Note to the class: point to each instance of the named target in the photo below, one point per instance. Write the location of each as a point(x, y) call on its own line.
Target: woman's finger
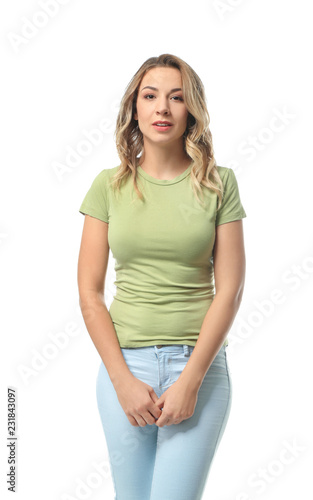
point(141, 421)
point(133, 421)
point(148, 418)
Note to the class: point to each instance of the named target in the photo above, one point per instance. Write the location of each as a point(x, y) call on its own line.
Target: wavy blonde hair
point(197, 136)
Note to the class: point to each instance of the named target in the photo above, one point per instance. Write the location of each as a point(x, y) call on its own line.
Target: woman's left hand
point(178, 403)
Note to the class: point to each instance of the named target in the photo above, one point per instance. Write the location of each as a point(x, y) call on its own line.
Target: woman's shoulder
point(226, 174)
point(222, 170)
point(105, 175)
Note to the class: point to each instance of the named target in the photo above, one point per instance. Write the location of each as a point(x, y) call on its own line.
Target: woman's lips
point(164, 127)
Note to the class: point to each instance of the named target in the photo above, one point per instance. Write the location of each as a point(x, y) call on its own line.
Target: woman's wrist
point(192, 381)
point(121, 377)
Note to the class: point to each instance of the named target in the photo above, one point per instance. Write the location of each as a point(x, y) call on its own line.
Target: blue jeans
point(170, 462)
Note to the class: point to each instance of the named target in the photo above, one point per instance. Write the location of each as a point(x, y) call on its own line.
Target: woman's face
point(163, 102)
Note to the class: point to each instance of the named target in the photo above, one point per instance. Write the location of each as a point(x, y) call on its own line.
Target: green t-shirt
point(162, 248)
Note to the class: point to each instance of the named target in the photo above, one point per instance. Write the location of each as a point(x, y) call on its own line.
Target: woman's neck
point(161, 161)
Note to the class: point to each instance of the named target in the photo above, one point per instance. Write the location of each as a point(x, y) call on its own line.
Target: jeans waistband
point(187, 349)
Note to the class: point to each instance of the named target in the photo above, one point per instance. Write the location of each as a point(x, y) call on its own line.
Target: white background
point(59, 82)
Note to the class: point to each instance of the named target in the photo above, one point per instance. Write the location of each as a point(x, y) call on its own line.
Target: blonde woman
point(172, 219)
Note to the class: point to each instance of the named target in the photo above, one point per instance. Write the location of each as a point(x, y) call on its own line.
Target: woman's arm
point(91, 272)
point(229, 273)
point(136, 398)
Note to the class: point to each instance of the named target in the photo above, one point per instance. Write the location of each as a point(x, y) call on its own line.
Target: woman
point(172, 219)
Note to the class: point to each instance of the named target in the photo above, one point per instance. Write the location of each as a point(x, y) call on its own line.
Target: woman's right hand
point(138, 401)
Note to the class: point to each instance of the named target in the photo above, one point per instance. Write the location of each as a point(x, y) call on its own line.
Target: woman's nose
point(162, 106)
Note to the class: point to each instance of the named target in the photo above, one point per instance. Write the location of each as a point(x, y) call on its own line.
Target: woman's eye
point(175, 97)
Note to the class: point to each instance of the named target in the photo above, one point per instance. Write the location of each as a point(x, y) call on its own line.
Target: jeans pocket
point(176, 362)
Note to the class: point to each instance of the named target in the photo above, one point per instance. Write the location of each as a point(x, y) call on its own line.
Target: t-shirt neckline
point(164, 182)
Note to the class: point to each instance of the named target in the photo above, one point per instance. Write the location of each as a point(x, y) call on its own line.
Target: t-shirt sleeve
point(231, 208)
point(95, 202)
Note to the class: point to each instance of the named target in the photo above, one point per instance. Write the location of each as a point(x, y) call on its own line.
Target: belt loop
point(186, 350)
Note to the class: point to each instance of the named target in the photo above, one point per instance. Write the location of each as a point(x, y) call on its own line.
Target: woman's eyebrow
point(154, 88)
